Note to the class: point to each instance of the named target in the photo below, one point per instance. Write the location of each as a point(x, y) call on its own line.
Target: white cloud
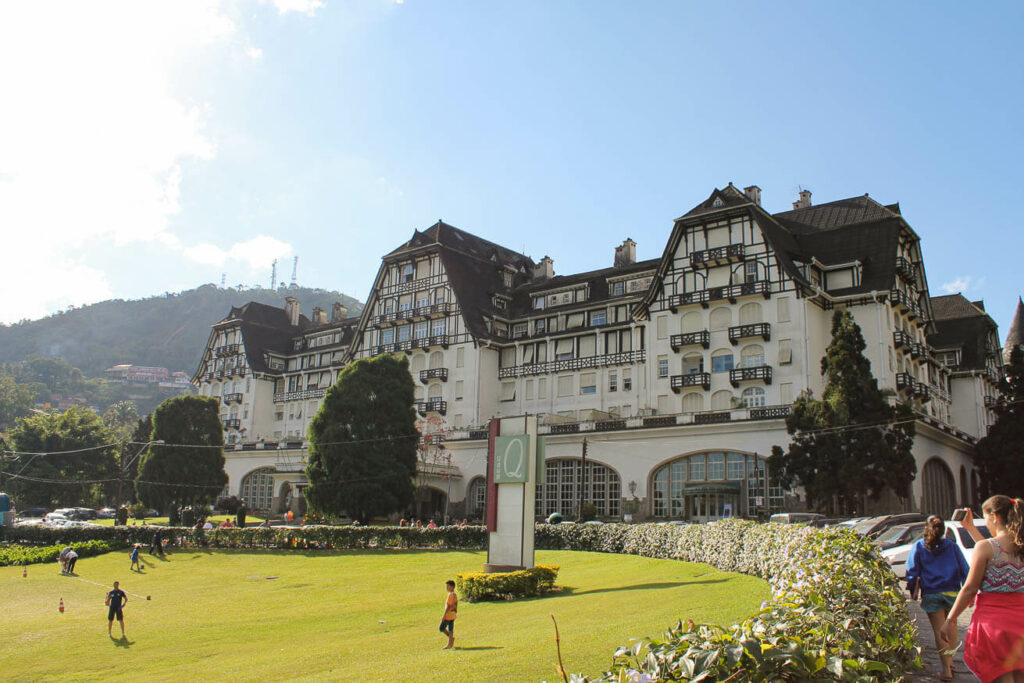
point(307, 7)
point(256, 253)
point(254, 53)
point(961, 284)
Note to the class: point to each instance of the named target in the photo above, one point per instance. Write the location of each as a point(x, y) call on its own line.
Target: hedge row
point(21, 554)
point(525, 583)
point(836, 611)
point(300, 538)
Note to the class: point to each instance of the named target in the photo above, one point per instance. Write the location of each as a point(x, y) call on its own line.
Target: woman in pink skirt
point(994, 649)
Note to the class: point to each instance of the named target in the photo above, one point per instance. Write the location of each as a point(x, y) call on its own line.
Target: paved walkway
point(930, 657)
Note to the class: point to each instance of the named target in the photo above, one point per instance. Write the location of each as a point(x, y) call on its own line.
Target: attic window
point(499, 303)
point(507, 277)
point(717, 203)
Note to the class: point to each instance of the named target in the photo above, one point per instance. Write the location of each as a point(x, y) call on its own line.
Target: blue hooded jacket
point(938, 571)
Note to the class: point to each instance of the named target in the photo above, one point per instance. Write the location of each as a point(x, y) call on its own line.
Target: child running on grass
point(136, 563)
point(451, 608)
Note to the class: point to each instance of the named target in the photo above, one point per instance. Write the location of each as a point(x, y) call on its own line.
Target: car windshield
point(895, 534)
point(966, 539)
point(867, 525)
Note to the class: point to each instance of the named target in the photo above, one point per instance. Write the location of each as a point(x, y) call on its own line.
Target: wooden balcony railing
point(422, 284)
point(232, 398)
point(906, 270)
point(434, 373)
point(232, 423)
point(568, 364)
point(763, 330)
point(907, 385)
point(302, 395)
point(900, 299)
point(434, 405)
point(696, 379)
point(702, 338)
point(757, 373)
point(226, 350)
point(727, 254)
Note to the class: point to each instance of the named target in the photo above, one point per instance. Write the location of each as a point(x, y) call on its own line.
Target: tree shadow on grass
point(569, 590)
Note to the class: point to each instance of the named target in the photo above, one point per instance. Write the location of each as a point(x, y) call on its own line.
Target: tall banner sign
point(514, 460)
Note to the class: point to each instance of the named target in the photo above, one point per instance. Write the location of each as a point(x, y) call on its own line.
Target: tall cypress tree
point(1000, 454)
point(188, 469)
point(362, 442)
point(851, 443)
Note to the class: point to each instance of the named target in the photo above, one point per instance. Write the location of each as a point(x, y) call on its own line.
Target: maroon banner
point(493, 430)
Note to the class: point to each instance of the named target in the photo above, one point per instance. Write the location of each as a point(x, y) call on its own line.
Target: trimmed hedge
point(21, 555)
point(836, 612)
point(299, 538)
point(524, 583)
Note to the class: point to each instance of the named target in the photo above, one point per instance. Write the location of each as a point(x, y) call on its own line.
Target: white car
point(55, 519)
point(897, 556)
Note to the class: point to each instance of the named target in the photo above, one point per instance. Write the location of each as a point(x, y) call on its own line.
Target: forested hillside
point(167, 331)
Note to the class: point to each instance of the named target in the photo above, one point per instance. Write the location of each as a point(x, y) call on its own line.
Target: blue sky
point(153, 148)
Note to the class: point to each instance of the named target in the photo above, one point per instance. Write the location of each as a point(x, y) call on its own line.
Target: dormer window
point(507, 278)
point(499, 303)
point(408, 273)
point(618, 288)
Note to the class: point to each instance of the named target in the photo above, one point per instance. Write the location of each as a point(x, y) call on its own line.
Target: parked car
point(795, 517)
point(872, 527)
point(83, 513)
point(897, 555)
point(55, 519)
point(825, 521)
point(32, 512)
point(899, 535)
point(106, 513)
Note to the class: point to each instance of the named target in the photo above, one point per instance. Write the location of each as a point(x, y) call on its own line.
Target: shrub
point(524, 583)
point(229, 504)
point(21, 555)
point(836, 610)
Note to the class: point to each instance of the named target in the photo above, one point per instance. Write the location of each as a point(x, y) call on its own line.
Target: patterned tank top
point(1005, 572)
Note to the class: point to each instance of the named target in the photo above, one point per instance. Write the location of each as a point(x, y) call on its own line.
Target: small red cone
point(61, 607)
point(24, 573)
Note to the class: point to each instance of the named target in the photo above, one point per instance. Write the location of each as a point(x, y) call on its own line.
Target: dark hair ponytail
point(934, 530)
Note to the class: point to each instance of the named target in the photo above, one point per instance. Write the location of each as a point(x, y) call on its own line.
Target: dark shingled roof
point(728, 197)
point(264, 328)
point(838, 214)
point(1015, 336)
point(596, 280)
point(963, 325)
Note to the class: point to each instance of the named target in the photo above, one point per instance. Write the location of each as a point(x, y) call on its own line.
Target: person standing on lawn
point(451, 609)
point(136, 563)
point(116, 600)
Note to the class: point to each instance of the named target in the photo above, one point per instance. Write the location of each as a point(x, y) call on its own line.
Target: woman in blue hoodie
point(936, 569)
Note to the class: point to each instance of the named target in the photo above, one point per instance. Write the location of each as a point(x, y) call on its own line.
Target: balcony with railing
point(902, 340)
point(418, 285)
point(237, 371)
point(910, 387)
point(226, 350)
point(434, 405)
point(899, 299)
point(301, 395)
point(232, 398)
point(434, 373)
point(695, 379)
point(732, 293)
point(702, 338)
point(677, 301)
point(906, 270)
point(738, 332)
point(569, 364)
point(755, 373)
point(232, 423)
point(731, 253)
point(991, 401)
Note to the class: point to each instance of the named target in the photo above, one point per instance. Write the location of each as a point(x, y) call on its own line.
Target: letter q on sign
point(511, 459)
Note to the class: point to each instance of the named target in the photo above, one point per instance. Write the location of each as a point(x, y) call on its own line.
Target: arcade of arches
point(706, 486)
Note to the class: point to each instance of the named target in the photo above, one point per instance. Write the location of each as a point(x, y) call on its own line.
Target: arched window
point(419, 362)
point(721, 360)
point(693, 402)
point(721, 318)
point(752, 355)
point(750, 313)
point(560, 491)
point(753, 397)
point(434, 391)
point(705, 486)
point(476, 497)
point(691, 322)
point(938, 492)
point(693, 363)
point(436, 360)
point(721, 400)
point(257, 489)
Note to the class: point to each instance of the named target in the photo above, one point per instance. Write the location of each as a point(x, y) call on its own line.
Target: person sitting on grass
point(451, 609)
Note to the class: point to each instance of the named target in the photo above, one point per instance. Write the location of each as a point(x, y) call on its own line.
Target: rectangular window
point(750, 271)
point(573, 320)
point(457, 421)
point(613, 381)
point(662, 366)
point(716, 466)
point(627, 380)
point(439, 296)
point(507, 359)
point(405, 304)
point(460, 357)
point(735, 467)
point(664, 405)
point(696, 468)
point(529, 390)
point(389, 306)
point(422, 300)
point(508, 391)
point(598, 318)
point(618, 288)
point(783, 306)
point(785, 352)
point(611, 342)
point(539, 326)
point(460, 387)
point(588, 346)
point(439, 327)
point(542, 387)
point(721, 363)
point(786, 393)
point(563, 349)
point(420, 330)
point(387, 336)
point(538, 303)
point(662, 323)
point(565, 385)
point(407, 273)
point(588, 383)
point(519, 330)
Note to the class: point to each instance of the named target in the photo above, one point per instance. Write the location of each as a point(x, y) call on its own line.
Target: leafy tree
point(121, 417)
point(362, 452)
point(999, 455)
point(16, 401)
point(852, 442)
point(73, 471)
point(188, 469)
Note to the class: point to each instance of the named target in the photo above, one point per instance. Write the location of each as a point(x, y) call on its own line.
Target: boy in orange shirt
point(451, 608)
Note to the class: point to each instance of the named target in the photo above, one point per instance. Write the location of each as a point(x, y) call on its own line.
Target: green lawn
point(370, 615)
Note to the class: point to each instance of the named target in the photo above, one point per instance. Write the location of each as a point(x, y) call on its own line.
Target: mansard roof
point(264, 328)
point(727, 197)
point(842, 213)
point(962, 324)
point(595, 280)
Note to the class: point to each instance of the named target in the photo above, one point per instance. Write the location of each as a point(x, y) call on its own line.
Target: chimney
point(545, 270)
point(291, 309)
point(319, 316)
point(753, 194)
point(626, 254)
point(339, 312)
point(804, 201)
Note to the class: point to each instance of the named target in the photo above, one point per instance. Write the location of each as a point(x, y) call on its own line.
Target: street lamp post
point(126, 465)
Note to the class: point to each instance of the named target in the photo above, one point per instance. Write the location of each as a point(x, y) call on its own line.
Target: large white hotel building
point(673, 376)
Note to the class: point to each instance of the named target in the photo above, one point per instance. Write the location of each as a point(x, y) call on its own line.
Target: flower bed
point(836, 611)
point(524, 583)
point(21, 554)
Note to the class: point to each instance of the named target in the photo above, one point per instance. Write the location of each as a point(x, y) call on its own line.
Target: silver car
point(955, 531)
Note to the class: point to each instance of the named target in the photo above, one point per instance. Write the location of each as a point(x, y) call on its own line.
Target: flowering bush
point(836, 610)
point(525, 583)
